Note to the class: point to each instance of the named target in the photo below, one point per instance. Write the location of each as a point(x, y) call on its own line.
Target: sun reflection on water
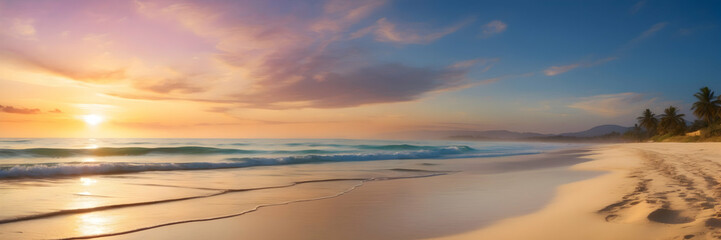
point(85, 181)
point(94, 223)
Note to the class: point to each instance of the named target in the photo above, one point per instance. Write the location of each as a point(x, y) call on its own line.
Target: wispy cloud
point(61, 68)
point(340, 14)
point(22, 28)
point(641, 37)
point(492, 28)
point(385, 31)
point(691, 30)
point(636, 7)
point(613, 105)
point(556, 70)
point(650, 32)
point(19, 110)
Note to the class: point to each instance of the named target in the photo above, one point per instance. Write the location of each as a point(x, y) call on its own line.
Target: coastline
point(629, 191)
point(487, 190)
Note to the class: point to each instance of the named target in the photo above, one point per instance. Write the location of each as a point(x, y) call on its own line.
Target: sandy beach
point(653, 191)
point(619, 191)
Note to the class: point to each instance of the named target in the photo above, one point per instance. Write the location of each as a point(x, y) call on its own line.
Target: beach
point(484, 192)
point(634, 191)
point(651, 191)
point(569, 191)
point(127, 188)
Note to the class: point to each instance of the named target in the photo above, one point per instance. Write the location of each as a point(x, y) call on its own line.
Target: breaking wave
point(45, 170)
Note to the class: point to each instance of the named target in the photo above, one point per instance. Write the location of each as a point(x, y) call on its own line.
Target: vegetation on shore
point(670, 126)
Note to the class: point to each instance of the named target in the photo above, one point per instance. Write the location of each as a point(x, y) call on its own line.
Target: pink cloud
point(385, 31)
point(247, 54)
point(555, 70)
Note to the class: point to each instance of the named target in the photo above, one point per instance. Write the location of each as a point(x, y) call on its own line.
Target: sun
point(93, 119)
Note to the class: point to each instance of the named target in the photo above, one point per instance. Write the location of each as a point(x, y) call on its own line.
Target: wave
point(419, 154)
point(46, 170)
point(409, 147)
point(197, 150)
point(139, 151)
point(389, 147)
point(15, 141)
point(115, 151)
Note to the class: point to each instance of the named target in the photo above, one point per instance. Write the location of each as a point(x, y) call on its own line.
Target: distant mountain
point(493, 134)
point(505, 135)
point(598, 131)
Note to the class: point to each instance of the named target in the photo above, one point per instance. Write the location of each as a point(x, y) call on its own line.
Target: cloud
point(23, 28)
point(168, 86)
point(11, 109)
point(32, 57)
point(340, 14)
point(381, 83)
point(385, 31)
point(636, 7)
point(651, 31)
point(692, 30)
point(556, 70)
point(613, 105)
point(76, 73)
point(492, 28)
point(247, 54)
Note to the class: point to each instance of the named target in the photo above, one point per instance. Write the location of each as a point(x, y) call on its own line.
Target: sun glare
point(93, 119)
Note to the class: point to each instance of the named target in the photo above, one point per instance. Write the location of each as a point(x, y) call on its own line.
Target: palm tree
point(672, 122)
point(648, 121)
point(706, 108)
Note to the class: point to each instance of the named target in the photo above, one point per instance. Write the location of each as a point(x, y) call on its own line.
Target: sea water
point(68, 188)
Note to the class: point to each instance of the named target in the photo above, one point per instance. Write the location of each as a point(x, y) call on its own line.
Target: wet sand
point(484, 191)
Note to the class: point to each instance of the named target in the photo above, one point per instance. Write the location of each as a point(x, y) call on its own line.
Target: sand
point(486, 190)
point(653, 191)
point(619, 191)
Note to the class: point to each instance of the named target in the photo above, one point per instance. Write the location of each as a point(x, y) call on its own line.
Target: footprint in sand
point(668, 216)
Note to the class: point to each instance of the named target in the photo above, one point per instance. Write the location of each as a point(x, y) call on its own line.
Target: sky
point(347, 69)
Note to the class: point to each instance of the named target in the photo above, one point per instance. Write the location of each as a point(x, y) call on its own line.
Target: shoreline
point(406, 208)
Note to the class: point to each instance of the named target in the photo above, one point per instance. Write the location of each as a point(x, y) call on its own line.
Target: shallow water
point(64, 188)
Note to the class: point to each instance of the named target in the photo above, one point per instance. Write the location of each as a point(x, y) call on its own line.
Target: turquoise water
point(62, 188)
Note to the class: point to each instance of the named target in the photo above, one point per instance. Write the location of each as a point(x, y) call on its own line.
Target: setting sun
point(93, 119)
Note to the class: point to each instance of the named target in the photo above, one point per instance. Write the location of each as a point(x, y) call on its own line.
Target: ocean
point(78, 188)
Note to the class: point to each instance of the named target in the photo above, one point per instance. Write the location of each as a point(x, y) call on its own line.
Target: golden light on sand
point(93, 119)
